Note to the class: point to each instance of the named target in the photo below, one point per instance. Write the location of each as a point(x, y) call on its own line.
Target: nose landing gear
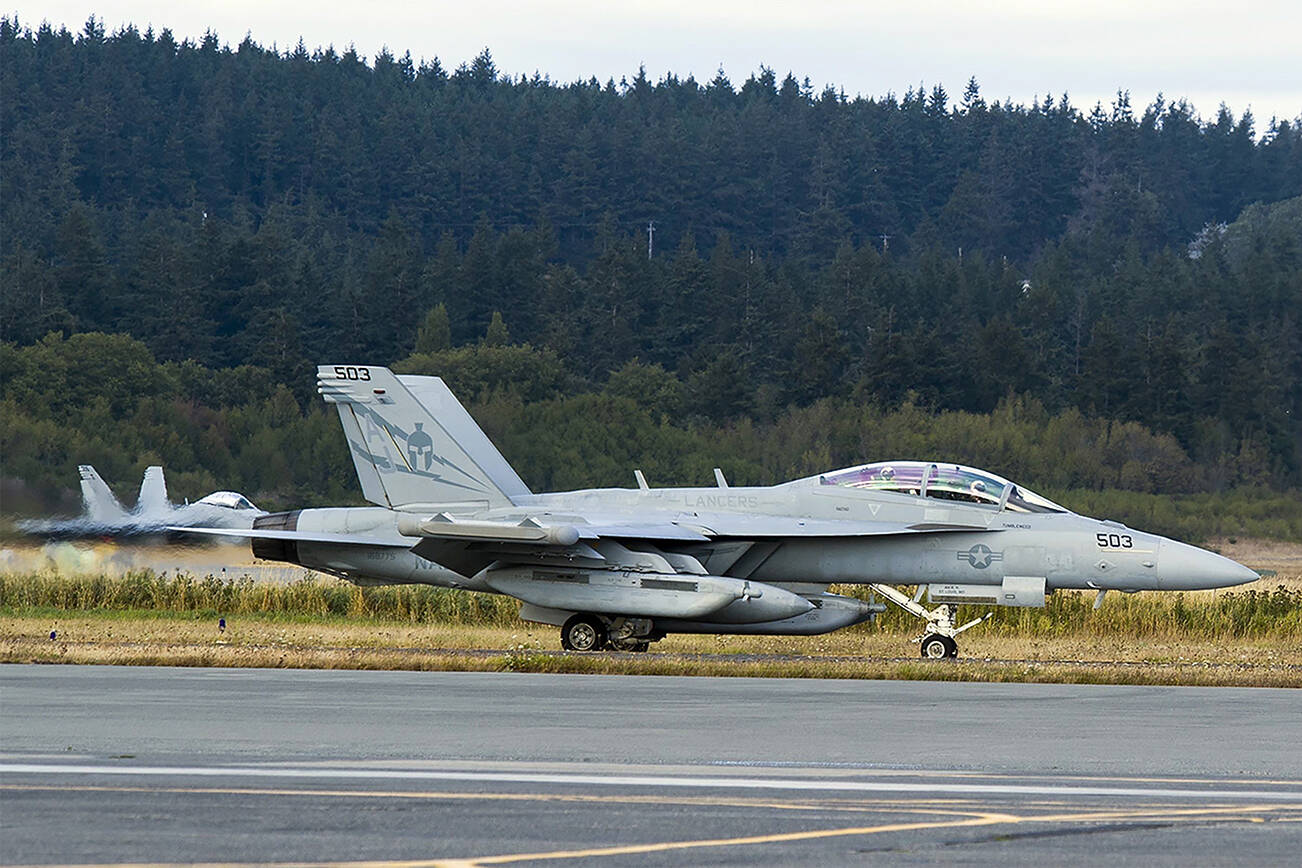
point(938, 643)
point(937, 647)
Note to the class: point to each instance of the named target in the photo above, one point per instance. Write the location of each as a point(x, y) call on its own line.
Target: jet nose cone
point(1188, 568)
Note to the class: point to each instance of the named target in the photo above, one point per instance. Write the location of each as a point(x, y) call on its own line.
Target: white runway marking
point(932, 787)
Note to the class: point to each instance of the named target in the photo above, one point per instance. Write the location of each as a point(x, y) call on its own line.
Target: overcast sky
point(1244, 53)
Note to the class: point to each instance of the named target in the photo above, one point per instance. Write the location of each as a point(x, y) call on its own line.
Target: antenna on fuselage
point(718, 478)
point(641, 480)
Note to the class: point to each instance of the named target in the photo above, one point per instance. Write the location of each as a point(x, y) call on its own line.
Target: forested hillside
point(821, 265)
point(103, 399)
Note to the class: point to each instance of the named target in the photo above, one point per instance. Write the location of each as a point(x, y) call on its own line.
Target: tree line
point(104, 400)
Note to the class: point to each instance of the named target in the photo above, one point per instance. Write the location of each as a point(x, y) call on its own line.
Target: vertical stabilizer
point(97, 497)
point(415, 447)
point(153, 493)
point(435, 396)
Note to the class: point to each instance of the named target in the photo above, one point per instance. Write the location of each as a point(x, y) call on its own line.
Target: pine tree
point(496, 335)
point(435, 333)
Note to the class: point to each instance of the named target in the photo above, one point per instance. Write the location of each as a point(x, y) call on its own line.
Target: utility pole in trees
point(650, 238)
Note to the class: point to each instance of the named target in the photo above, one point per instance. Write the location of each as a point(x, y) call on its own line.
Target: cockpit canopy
point(227, 500)
point(944, 481)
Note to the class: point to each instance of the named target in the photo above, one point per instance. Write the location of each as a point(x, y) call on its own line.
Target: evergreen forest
point(671, 274)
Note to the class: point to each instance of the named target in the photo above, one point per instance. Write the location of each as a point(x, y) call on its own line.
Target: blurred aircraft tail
point(153, 492)
point(101, 505)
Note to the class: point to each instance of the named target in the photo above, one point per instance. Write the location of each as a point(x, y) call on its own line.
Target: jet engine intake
point(285, 550)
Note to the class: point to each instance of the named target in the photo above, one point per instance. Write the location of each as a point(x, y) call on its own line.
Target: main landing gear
point(938, 642)
point(583, 633)
point(588, 632)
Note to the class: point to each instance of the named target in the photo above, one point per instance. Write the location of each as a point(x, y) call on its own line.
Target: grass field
point(1245, 637)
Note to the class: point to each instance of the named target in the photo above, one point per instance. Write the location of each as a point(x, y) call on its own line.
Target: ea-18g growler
point(621, 568)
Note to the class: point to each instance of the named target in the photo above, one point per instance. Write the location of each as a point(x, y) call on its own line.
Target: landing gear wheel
point(938, 647)
point(583, 633)
point(938, 642)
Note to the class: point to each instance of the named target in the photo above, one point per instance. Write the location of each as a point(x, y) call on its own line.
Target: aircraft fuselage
point(1067, 550)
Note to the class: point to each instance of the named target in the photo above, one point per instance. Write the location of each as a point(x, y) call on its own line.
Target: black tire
point(583, 633)
point(938, 647)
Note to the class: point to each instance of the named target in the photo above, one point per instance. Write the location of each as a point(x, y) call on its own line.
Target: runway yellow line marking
point(1239, 813)
point(1156, 813)
point(618, 850)
point(783, 837)
point(979, 820)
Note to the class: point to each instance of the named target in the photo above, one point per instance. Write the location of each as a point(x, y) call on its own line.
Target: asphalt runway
point(102, 765)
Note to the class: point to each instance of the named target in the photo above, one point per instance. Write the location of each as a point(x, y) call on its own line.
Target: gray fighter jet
point(621, 568)
point(104, 514)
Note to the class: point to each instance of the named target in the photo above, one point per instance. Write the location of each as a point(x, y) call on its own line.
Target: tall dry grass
point(145, 590)
point(1248, 614)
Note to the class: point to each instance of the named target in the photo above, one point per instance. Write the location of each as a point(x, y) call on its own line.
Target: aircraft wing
point(467, 546)
point(695, 529)
point(551, 531)
point(132, 526)
point(73, 528)
point(771, 526)
point(663, 531)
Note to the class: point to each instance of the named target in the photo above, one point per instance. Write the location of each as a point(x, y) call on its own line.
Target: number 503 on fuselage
point(620, 568)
